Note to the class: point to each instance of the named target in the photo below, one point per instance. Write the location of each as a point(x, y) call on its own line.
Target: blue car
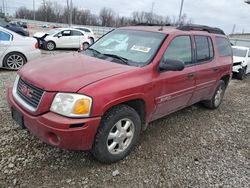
point(14, 28)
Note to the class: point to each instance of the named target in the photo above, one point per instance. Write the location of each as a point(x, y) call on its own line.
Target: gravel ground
point(194, 147)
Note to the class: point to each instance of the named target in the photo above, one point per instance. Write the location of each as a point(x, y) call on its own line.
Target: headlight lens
point(71, 105)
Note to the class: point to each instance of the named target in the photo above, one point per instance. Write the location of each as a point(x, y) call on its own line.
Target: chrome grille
point(29, 93)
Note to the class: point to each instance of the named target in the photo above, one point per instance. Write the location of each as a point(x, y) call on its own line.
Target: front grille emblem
point(26, 91)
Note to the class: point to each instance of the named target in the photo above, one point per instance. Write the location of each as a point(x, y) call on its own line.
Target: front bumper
point(56, 130)
point(236, 68)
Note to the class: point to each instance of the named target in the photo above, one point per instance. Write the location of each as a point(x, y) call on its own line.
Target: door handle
point(190, 75)
point(215, 69)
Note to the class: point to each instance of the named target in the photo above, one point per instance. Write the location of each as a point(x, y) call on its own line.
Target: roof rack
point(201, 28)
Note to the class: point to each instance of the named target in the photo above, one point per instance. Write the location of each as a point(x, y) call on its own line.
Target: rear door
point(77, 38)
point(175, 87)
point(206, 68)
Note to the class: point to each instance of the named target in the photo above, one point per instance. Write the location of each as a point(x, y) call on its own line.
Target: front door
point(175, 87)
point(64, 40)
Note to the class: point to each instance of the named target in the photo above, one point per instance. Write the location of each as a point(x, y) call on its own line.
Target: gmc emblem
point(26, 91)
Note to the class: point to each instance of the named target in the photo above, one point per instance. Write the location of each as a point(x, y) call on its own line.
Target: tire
point(50, 45)
point(92, 40)
point(241, 75)
point(113, 140)
point(85, 45)
point(217, 96)
point(14, 60)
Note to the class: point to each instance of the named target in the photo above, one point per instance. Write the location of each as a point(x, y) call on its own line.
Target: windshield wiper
point(96, 51)
point(124, 60)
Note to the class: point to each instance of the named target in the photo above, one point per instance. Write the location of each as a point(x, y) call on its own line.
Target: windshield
point(53, 31)
point(239, 52)
point(3, 23)
point(136, 47)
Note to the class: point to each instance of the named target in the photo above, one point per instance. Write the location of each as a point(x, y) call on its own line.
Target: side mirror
point(171, 65)
point(59, 35)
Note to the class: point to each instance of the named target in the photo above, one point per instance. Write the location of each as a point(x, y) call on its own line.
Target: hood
point(39, 34)
point(69, 72)
point(238, 59)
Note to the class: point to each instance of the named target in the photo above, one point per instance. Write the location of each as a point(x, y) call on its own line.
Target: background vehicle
point(63, 38)
point(240, 42)
point(89, 32)
point(19, 24)
point(16, 50)
point(241, 61)
point(101, 99)
point(14, 28)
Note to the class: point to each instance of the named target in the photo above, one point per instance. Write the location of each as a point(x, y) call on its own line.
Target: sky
point(217, 13)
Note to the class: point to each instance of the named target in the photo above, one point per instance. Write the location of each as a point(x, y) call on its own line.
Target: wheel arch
point(138, 104)
point(226, 79)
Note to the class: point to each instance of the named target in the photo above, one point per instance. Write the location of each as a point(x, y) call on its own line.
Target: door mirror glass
point(171, 65)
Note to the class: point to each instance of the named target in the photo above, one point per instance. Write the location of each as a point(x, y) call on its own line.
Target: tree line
point(52, 11)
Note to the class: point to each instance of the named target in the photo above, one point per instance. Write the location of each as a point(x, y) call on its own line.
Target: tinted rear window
point(204, 48)
point(224, 46)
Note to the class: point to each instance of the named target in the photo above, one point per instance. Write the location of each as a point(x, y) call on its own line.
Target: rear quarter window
point(4, 36)
point(224, 46)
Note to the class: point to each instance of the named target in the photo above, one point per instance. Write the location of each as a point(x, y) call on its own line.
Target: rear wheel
point(117, 135)
point(241, 75)
point(91, 40)
point(14, 60)
point(85, 45)
point(217, 97)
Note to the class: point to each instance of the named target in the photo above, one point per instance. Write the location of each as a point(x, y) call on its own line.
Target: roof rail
point(201, 28)
point(152, 24)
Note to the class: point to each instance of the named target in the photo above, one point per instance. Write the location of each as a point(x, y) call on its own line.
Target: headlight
point(71, 105)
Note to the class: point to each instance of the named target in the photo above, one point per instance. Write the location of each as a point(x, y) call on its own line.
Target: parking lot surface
point(195, 147)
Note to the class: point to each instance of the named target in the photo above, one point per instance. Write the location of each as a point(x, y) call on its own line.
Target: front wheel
point(117, 135)
point(50, 46)
point(241, 75)
point(217, 97)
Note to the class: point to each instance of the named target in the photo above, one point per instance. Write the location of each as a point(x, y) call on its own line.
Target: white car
point(63, 38)
point(16, 50)
point(241, 61)
point(89, 32)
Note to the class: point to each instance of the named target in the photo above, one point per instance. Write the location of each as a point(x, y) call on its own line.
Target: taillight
point(36, 45)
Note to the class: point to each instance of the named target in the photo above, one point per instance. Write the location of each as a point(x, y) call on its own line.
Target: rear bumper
point(56, 130)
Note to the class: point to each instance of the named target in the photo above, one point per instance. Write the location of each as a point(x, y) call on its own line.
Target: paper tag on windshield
point(141, 49)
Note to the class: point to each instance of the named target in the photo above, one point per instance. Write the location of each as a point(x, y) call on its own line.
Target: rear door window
point(224, 46)
point(204, 48)
point(76, 33)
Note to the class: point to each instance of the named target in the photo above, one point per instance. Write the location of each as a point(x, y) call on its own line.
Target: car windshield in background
point(136, 47)
point(239, 52)
point(53, 31)
point(3, 23)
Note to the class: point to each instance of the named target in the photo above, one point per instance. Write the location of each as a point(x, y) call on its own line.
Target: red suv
point(101, 99)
